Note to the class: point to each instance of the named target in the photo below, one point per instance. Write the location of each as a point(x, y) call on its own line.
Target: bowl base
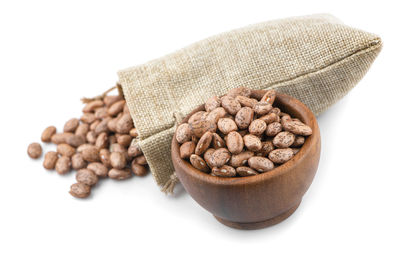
point(261, 224)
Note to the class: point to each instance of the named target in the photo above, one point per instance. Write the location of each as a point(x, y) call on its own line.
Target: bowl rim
point(305, 115)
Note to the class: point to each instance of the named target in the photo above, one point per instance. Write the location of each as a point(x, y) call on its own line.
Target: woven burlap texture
point(316, 59)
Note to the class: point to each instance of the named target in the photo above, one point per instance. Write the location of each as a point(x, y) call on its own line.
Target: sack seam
point(368, 49)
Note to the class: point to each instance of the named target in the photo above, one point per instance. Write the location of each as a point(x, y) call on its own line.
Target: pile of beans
point(238, 135)
point(102, 143)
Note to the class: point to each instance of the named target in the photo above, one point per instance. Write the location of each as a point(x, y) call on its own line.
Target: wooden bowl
point(257, 201)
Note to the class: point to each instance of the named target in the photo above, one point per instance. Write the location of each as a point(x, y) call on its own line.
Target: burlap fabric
point(316, 59)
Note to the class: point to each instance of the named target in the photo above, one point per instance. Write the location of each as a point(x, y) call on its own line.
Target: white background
point(53, 53)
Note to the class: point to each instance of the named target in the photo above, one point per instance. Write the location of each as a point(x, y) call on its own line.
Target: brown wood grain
point(262, 200)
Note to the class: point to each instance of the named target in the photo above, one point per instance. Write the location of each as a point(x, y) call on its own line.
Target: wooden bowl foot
point(260, 224)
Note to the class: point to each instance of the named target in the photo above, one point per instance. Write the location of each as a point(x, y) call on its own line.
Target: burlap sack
point(316, 59)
